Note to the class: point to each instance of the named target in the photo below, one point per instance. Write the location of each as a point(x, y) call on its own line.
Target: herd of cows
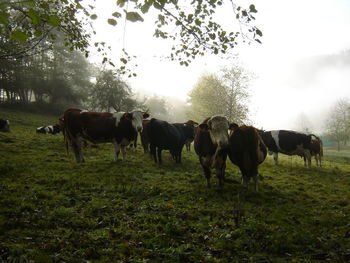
point(214, 140)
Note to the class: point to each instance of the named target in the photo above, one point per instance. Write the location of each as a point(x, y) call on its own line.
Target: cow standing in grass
point(246, 150)
point(287, 142)
point(210, 144)
point(316, 149)
point(98, 127)
point(166, 136)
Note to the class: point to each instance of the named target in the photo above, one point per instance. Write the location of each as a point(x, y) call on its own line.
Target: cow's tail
point(67, 136)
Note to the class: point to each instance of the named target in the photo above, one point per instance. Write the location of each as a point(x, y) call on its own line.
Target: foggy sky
point(302, 67)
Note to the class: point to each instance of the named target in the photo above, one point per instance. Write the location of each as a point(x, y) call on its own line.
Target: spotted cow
point(120, 128)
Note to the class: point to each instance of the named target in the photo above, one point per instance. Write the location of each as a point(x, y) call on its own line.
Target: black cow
point(287, 142)
point(51, 129)
point(4, 125)
point(165, 136)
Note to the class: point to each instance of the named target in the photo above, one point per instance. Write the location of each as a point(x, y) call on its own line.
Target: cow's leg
point(220, 170)
point(123, 148)
point(206, 164)
point(76, 145)
point(256, 182)
point(275, 157)
point(307, 155)
point(116, 151)
point(319, 158)
point(153, 152)
point(159, 155)
point(305, 160)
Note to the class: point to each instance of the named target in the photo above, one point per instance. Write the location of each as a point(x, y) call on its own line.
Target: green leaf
point(257, 40)
point(123, 60)
point(198, 22)
point(93, 16)
point(19, 36)
point(252, 9)
point(4, 18)
point(258, 32)
point(54, 20)
point(34, 16)
point(116, 14)
point(38, 33)
point(112, 21)
point(133, 17)
point(145, 7)
point(121, 3)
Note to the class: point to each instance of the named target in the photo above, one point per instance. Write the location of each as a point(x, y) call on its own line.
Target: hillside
point(55, 210)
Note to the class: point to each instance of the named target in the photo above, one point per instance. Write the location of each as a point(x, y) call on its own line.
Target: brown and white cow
point(246, 150)
point(98, 127)
point(210, 144)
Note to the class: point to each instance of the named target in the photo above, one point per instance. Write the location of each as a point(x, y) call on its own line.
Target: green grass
point(55, 210)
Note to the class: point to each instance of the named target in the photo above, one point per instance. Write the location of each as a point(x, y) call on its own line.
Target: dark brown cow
point(98, 127)
point(210, 142)
point(316, 149)
point(246, 150)
point(189, 141)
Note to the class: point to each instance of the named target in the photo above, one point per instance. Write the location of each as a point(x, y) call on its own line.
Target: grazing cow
point(316, 149)
point(51, 129)
point(287, 142)
point(165, 136)
point(98, 127)
point(144, 136)
point(4, 125)
point(246, 150)
point(210, 144)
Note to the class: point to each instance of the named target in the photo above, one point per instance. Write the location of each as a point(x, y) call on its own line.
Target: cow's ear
point(128, 116)
point(232, 126)
point(145, 115)
point(203, 126)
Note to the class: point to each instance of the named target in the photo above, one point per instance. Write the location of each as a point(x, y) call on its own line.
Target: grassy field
point(55, 210)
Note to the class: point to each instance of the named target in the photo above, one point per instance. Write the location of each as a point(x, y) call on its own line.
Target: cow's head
point(4, 126)
point(217, 126)
point(136, 118)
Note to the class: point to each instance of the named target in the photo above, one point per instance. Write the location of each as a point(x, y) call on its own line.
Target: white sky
point(294, 33)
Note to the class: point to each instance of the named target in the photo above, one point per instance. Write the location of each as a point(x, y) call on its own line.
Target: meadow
point(53, 209)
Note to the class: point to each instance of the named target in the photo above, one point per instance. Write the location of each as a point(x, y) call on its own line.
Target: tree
point(304, 124)
point(338, 122)
point(206, 98)
point(226, 94)
point(192, 26)
point(236, 81)
point(110, 92)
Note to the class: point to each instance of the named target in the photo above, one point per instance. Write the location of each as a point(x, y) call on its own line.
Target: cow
point(316, 149)
point(4, 125)
point(144, 136)
point(210, 144)
point(246, 150)
point(189, 141)
point(166, 136)
point(287, 142)
point(51, 129)
point(120, 128)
